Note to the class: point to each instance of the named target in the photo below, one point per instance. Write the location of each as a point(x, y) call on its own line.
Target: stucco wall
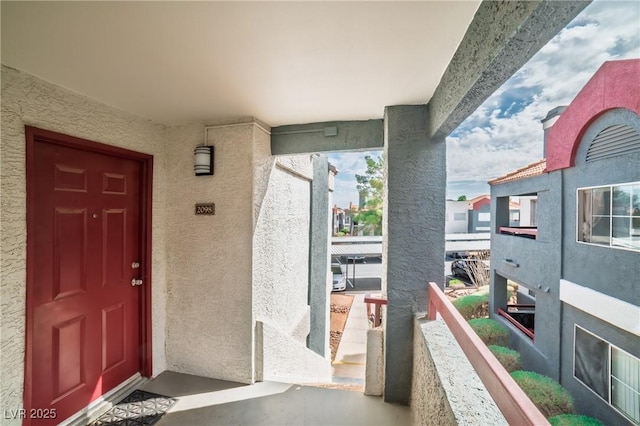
point(413, 235)
point(209, 261)
point(281, 273)
point(281, 248)
point(604, 269)
point(287, 360)
point(534, 264)
point(611, 271)
point(586, 401)
point(27, 100)
point(446, 390)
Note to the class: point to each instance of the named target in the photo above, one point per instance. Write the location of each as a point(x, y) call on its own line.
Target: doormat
point(137, 409)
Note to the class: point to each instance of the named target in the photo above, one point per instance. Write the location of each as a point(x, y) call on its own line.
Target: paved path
point(349, 364)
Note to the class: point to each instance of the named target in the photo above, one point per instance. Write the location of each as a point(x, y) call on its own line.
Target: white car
point(339, 279)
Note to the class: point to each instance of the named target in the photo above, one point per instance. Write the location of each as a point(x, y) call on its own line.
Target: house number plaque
point(205, 208)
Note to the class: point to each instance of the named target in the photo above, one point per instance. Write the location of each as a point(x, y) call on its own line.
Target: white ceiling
point(282, 62)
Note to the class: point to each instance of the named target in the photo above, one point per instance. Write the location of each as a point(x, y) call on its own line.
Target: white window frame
point(609, 374)
point(611, 216)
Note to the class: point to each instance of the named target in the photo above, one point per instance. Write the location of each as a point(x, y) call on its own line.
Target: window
point(611, 373)
point(484, 217)
point(610, 216)
point(533, 213)
point(459, 216)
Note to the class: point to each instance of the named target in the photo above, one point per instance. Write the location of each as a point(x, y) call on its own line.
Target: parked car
point(353, 258)
point(339, 279)
point(463, 268)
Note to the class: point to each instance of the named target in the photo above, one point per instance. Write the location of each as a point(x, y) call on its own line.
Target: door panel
point(85, 315)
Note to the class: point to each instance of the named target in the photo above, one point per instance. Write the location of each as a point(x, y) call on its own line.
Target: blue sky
point(505, 132)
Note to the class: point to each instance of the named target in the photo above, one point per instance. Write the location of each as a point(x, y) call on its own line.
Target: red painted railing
point(516, 407)
point(519, 326)
point(377, 302)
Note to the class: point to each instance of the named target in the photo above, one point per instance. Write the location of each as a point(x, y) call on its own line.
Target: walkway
point(203, 401)
point(349, 364)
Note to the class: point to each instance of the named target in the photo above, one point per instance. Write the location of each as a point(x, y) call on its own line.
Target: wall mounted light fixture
point(203, 161)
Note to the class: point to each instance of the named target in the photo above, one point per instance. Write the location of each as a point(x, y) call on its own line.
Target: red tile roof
point(534, 169)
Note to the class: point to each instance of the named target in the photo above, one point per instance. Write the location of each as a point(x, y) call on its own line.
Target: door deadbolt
point(135, 265)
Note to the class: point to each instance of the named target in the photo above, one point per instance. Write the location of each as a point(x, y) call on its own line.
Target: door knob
point(135, 282)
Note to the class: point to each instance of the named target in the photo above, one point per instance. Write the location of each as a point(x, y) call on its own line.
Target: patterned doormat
point(137, 409)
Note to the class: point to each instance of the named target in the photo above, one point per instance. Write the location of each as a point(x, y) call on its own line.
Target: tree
point(371, 187)
point(462, 198)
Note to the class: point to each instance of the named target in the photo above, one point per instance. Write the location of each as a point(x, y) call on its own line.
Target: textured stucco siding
point(446, 389)
point(535, 265)
point(286, 360)
point(281, 249)
point(604, 269)
point(413, 235)
point(586, 401)
point(210, 332)
point(281, 274)
point(27, 100)
point(611, 271)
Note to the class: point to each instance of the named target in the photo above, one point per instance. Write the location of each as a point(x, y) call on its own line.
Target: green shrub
point(509, 358)
point(473, 306)
point(547, 394)
point(574, 420)
point(456, 284)
point(490, 331)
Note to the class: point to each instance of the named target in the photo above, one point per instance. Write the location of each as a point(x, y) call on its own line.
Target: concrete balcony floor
point(203, 401)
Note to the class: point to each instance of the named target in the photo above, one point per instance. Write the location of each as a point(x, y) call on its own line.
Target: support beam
point(502, 37)
point(318, 256)
point(327, 137)
point(413, 235)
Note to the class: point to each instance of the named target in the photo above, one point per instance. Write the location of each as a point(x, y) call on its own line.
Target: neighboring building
point(579, 266)
point(456, 217)
point(473, 216)
point(479, 214)
point(341, 220)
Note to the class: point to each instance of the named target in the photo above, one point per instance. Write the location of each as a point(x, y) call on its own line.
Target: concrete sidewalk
point(349, 364)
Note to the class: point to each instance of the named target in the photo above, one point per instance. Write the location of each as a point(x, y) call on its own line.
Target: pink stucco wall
point(614, 85)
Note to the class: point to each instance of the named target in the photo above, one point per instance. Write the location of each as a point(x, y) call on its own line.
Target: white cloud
point(505, 132)
point(488, 145)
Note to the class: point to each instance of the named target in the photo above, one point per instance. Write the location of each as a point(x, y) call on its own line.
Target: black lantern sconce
point(203, 161)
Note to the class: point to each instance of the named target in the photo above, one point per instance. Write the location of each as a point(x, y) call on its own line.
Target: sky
point(505, 132)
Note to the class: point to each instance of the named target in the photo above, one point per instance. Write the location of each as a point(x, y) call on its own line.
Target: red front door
point(83, 311)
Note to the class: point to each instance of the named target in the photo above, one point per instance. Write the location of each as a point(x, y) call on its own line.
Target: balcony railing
point(374, 316)
point(520, 231)
point(512, 313)
point(514, 404)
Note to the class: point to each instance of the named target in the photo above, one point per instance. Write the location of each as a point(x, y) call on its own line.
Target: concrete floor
point(203, 401)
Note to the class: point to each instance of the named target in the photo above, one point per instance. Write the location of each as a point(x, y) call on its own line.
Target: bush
point(509, 358)
point(547, 394)
point(473, 306)
point(490, 331)
point(456, 284)
point(574, 420)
